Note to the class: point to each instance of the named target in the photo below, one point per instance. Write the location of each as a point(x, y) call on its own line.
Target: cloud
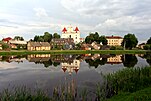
point(40, 12)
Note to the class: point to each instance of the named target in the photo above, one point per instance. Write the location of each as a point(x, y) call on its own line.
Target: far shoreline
point(26, 52)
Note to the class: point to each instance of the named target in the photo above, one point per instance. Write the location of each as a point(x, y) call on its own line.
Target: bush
point(113, 48)
point(147, 47)
point(5, 46)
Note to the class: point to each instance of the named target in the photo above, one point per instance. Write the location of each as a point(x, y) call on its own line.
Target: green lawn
point(24, 52)
point(141, 95)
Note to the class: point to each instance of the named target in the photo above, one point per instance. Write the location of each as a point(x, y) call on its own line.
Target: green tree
point(47, 37)
point(19, 38)
point(129, 41)
point(103, 40)
point(149, 41)
point(5, 46)
point(36, 38)
point(56, 36)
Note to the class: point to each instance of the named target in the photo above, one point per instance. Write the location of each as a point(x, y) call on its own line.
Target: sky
point(28, 18)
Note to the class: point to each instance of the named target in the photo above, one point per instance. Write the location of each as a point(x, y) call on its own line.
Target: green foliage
point(149, 41)
point(5, 46)
point(147, 47)
point(47, 37)
point(95, 37)
point(23, 94)
point(56, 36)
point(129, 41)
point(103, 40)
point(128, 80)
point(19, 38)
point(113, 48)
point(141, 95)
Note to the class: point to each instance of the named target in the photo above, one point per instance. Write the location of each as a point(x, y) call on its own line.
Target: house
point(6, 40)
point(38, 46)
point(96, 46)
point(69, 32)
point(141, 46)
point(63, 43)
point(114, 40)
point(86, 47)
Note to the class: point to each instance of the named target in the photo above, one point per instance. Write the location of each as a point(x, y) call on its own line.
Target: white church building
point(70, 32)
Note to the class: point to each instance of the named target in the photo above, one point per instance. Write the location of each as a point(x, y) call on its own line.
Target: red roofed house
point(6, 40)
point(69, 32)
point(114, 40)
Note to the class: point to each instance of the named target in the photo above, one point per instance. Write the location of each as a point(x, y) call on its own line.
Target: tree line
point(47, 37)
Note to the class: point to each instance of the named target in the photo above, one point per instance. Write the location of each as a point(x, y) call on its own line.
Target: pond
point(47, 71)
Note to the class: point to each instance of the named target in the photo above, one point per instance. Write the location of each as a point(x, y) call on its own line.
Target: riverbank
point(25, 52)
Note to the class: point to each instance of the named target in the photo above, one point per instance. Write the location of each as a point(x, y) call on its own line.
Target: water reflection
point(129, 60)
point(71, 63)
point(146, 56)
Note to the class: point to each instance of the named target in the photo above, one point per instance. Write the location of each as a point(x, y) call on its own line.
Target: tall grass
point(128, 80)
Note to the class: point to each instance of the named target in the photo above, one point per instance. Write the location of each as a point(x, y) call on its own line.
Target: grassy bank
point(25, 52)
point(131, 84)
point(141, 95)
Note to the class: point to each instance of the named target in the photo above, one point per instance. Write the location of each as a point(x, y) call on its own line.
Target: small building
point(86, 47)
point(63, 43)
point(38, 46)
point(114, 40)
point(96, 46)
point(6, 40)
point(141, 46)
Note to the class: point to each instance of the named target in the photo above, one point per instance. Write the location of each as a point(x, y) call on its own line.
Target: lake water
point(45, 71)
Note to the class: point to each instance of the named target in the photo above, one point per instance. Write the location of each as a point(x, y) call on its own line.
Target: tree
point(56, 36)
point(5, 46)
point(19, 38)
point(103, 40)
point(129, 41)
point(36, 38)
point(47, 37)
point(149, 41)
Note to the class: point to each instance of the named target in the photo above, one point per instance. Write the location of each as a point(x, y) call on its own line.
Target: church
point(70, 32)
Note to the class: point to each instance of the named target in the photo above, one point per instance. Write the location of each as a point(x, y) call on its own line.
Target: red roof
point(64, 69)
point(114, 37)
point(64, 30)
point(7, 39)
point(76, 70)
point(76, 29)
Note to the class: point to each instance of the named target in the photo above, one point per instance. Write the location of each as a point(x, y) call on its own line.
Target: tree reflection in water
point(129, 60)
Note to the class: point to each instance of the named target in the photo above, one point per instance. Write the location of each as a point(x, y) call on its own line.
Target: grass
point(131, 84)
point(141, 95)
point(26, 52)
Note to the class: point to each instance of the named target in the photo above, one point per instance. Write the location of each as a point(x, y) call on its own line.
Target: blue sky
point(28, 18)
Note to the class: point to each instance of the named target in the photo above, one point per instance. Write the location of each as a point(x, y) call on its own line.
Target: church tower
point(69, 32)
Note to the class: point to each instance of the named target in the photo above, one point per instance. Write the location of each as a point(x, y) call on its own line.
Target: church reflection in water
point(71, 63)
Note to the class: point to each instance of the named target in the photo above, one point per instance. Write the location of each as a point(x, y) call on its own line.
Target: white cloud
point(40, 12)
